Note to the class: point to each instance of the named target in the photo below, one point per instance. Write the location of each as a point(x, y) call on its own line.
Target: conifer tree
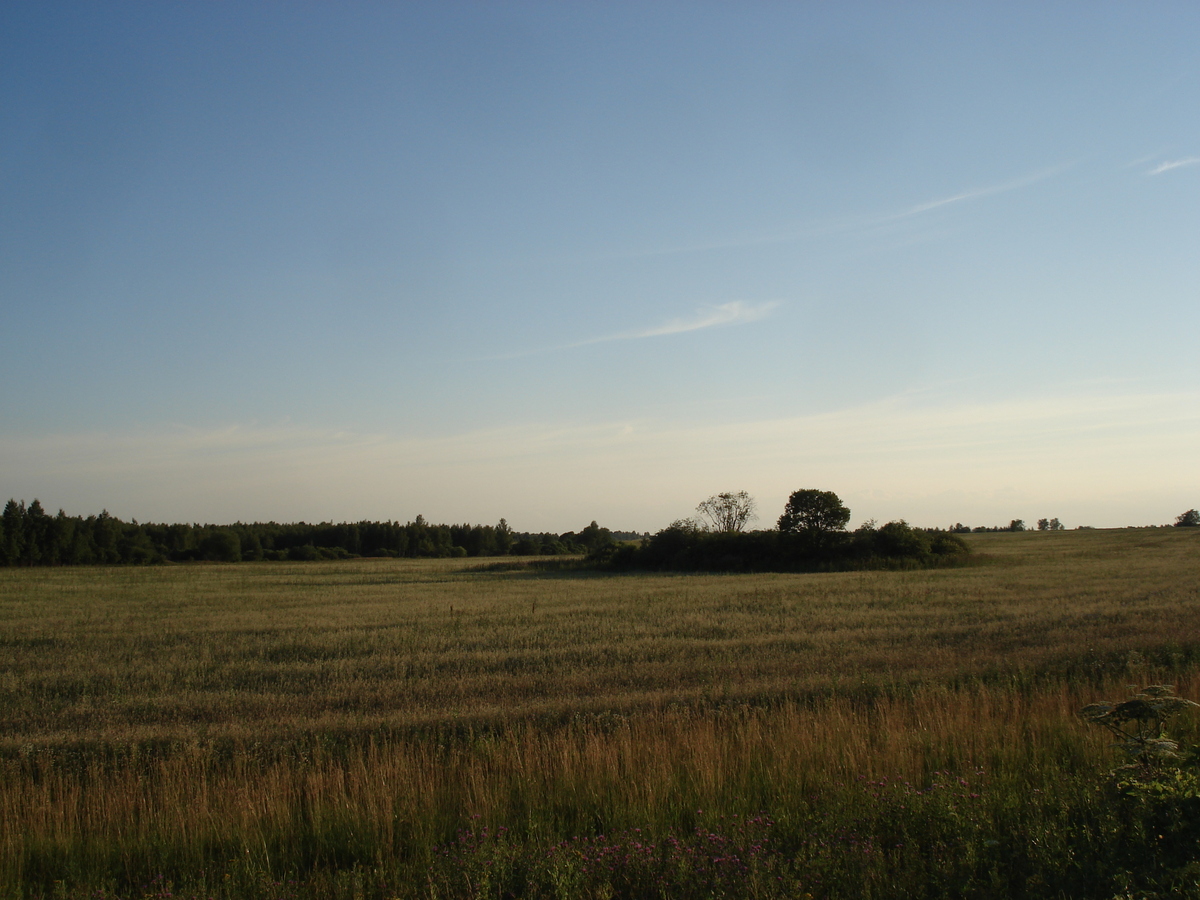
point(13, 543)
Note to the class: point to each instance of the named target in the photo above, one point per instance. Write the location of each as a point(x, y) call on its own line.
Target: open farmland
point(332, 728)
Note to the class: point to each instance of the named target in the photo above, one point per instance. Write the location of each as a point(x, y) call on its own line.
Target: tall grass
point(338, 730)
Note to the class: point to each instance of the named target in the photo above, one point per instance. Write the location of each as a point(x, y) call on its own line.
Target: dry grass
point(263, 720)
point(263, 650)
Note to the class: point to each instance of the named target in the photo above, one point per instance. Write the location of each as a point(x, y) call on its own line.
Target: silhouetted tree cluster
point(811, 537)
point(31, 537)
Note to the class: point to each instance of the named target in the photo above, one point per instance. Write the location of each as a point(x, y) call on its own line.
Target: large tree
point(814, 512)
point(727, 511)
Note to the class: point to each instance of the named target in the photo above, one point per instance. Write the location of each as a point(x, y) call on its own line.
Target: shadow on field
point(575, 568)
point(578, 569)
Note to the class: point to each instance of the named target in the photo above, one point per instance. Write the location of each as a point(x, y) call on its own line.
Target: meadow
point(457, 728)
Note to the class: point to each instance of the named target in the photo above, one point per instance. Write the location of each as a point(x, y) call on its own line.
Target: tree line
point(1188, 519)
point(29, 536)
point(810, 534)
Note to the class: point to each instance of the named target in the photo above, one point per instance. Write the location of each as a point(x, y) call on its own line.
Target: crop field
point(462, 728)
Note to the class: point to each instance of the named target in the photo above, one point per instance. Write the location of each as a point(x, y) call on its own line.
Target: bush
point(943, 544)
point(899, 540)
point(1156, 796)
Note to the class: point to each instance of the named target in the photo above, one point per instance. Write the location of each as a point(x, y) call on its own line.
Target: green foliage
point(503, 538)
point(1154, 846)
point(899, 540)
point(12, 537)
point(1189, 519)
point(593, 537)
point(220, 546)
point(815, 512)
point(304, 553)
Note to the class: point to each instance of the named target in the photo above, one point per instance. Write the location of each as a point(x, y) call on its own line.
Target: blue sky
point(563, 262)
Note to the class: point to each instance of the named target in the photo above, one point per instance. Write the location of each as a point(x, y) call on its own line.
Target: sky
point(558, 262)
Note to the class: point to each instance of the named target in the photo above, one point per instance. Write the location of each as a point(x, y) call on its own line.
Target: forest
point(29, 536)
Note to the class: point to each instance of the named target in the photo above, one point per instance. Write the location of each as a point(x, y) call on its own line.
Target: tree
point(1016, 525)
point(593, 537)
point(814, 512)
point(504, 538)
point(1189, 519)
point(728, 512)
point(13, 532)
point(1049, 525)
point(36, 522)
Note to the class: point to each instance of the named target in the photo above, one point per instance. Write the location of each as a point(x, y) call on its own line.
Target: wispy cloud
point(842, 225)
point(981, 192)
point(735, 312)
point(1174, 164)
point(1141, 160)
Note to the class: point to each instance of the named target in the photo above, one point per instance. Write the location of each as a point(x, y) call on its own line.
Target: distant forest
point(31, 537)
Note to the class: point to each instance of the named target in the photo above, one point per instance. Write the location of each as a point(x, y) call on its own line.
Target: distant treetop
point(1189, 519)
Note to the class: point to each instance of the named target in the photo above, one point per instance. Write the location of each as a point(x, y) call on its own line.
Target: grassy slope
point(261, 721)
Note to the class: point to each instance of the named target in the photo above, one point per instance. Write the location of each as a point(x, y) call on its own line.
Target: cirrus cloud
point(733, 313)
point(1174, 164)
point(736, 312)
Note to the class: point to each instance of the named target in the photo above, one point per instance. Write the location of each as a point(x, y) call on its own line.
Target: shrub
point(899, 540)
point(1156, 796)
point(943, 544)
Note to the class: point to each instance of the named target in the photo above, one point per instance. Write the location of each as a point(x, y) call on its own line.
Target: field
point(385, 728)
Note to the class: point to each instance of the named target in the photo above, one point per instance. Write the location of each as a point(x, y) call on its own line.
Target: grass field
point(385, 728)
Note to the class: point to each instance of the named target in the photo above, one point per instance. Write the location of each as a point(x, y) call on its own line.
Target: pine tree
point(13, 543)
point(36, 522)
